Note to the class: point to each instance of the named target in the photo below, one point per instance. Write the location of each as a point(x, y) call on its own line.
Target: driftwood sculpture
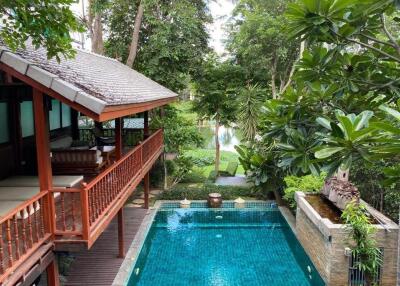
point(340, 191)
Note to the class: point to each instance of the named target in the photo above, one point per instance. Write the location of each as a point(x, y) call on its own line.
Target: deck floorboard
point(99, 265)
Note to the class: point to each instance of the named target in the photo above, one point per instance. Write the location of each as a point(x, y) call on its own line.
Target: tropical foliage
point(361, 240)
point(46, 23)
point(307, 184)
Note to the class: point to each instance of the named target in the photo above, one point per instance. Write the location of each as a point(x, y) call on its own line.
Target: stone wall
point(325, 244)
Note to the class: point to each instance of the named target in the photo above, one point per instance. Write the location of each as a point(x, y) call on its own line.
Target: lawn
point(204, 160)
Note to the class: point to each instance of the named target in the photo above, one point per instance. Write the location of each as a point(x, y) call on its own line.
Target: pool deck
point(99, 265)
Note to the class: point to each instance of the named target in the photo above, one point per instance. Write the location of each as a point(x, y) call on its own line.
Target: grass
point(207, 156)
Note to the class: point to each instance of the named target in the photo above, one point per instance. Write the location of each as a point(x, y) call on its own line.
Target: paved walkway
point(237, 181)
point(99, 265)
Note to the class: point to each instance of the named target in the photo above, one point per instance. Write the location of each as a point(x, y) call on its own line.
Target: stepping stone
point(150, 196)
point(137, 206)
point(155, 192)
point(138, 201)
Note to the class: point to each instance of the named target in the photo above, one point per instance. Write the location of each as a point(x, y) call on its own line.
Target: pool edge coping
point(126, 268)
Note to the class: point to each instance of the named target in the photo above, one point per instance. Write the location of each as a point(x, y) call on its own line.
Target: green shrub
point(194, 177)
point(204, 161)
point(307, 184)
point(201, 192)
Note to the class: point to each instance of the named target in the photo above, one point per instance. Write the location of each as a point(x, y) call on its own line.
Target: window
point(27, 121)
point(55, 115)
point(4, 130)
point(66, 115)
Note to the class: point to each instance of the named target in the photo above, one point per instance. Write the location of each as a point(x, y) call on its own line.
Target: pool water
point(222, 247)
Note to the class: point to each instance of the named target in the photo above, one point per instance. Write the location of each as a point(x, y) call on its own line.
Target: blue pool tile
point(251, 247)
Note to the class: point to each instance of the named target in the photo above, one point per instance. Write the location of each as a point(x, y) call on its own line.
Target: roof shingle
point(88, 78)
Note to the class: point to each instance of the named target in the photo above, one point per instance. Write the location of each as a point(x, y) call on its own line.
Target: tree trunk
point(95, 27)
point(135, 36)
point(97, 37)
point(217, 147)
point(302, 47)
point(273, 76)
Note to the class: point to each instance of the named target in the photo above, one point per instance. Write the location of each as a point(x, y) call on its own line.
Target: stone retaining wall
point(325, 244)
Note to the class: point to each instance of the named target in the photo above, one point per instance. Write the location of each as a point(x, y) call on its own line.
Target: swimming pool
point(227, 246)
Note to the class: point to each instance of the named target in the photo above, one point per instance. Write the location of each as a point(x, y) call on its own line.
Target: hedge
point(180, 192)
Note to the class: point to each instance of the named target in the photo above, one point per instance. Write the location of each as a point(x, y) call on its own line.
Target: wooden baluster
point(64, 226)
point(41, 205)
point(16, 235)
point(92, 204)
point(36, 221)
point(96, 195)
point(105, 183)
point(30, 233)
point(1, 250)
point(23, 229)
point(73, 211)
point(9, 243)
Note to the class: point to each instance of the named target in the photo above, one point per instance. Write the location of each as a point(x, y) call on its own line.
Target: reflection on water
point(228, 137)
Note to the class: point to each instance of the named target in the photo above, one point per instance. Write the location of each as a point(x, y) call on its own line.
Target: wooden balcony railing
point(87, 211)
point(22, 232)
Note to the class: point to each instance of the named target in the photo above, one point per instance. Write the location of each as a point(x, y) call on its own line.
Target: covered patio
point(63, 184)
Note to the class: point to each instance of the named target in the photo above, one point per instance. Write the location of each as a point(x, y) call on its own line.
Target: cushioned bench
point(7, 206)
point(77, 161)
point(33, 181)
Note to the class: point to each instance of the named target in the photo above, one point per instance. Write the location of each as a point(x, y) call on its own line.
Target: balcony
point(83, 213)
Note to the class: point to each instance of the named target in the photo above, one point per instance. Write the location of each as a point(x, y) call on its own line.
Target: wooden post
point(45, 173)
point(146, 190)
point(146, 125)
point(43, 155)
point(52, 274)
point(118, 155)
point(16, 132)
point(121, 242)
point(118, 138)
point(74, 125)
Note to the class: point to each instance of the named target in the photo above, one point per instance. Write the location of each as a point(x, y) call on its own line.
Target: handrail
point(99, 199)
point(116, 164)
point(22, 206)
point(22, 231)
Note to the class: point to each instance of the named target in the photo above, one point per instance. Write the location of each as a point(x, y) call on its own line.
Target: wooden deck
point(99, 265)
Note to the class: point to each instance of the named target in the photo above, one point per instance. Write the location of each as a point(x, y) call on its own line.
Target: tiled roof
point(91, 80)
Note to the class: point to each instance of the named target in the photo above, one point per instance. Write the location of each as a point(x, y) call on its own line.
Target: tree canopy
point(47, 23)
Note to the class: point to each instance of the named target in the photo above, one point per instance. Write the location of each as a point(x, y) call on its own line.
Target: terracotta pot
point(214, 200)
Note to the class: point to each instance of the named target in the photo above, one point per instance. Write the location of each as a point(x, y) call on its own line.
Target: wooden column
point(118, 138)
point(44, 172)
point(145, 125)
point(74, 124)
point(121, 241)
point(52, 274)
point(118, 155)
point(42, 141)
point(146, 190)
point(16, 132)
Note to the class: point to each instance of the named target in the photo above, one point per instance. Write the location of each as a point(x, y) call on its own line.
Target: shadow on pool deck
point(238, 181)
point(99, 265)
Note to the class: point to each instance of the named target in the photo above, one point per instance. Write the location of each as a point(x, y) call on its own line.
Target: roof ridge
point(97, 55)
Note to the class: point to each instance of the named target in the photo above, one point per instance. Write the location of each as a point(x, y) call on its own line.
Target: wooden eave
point(110, 112)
